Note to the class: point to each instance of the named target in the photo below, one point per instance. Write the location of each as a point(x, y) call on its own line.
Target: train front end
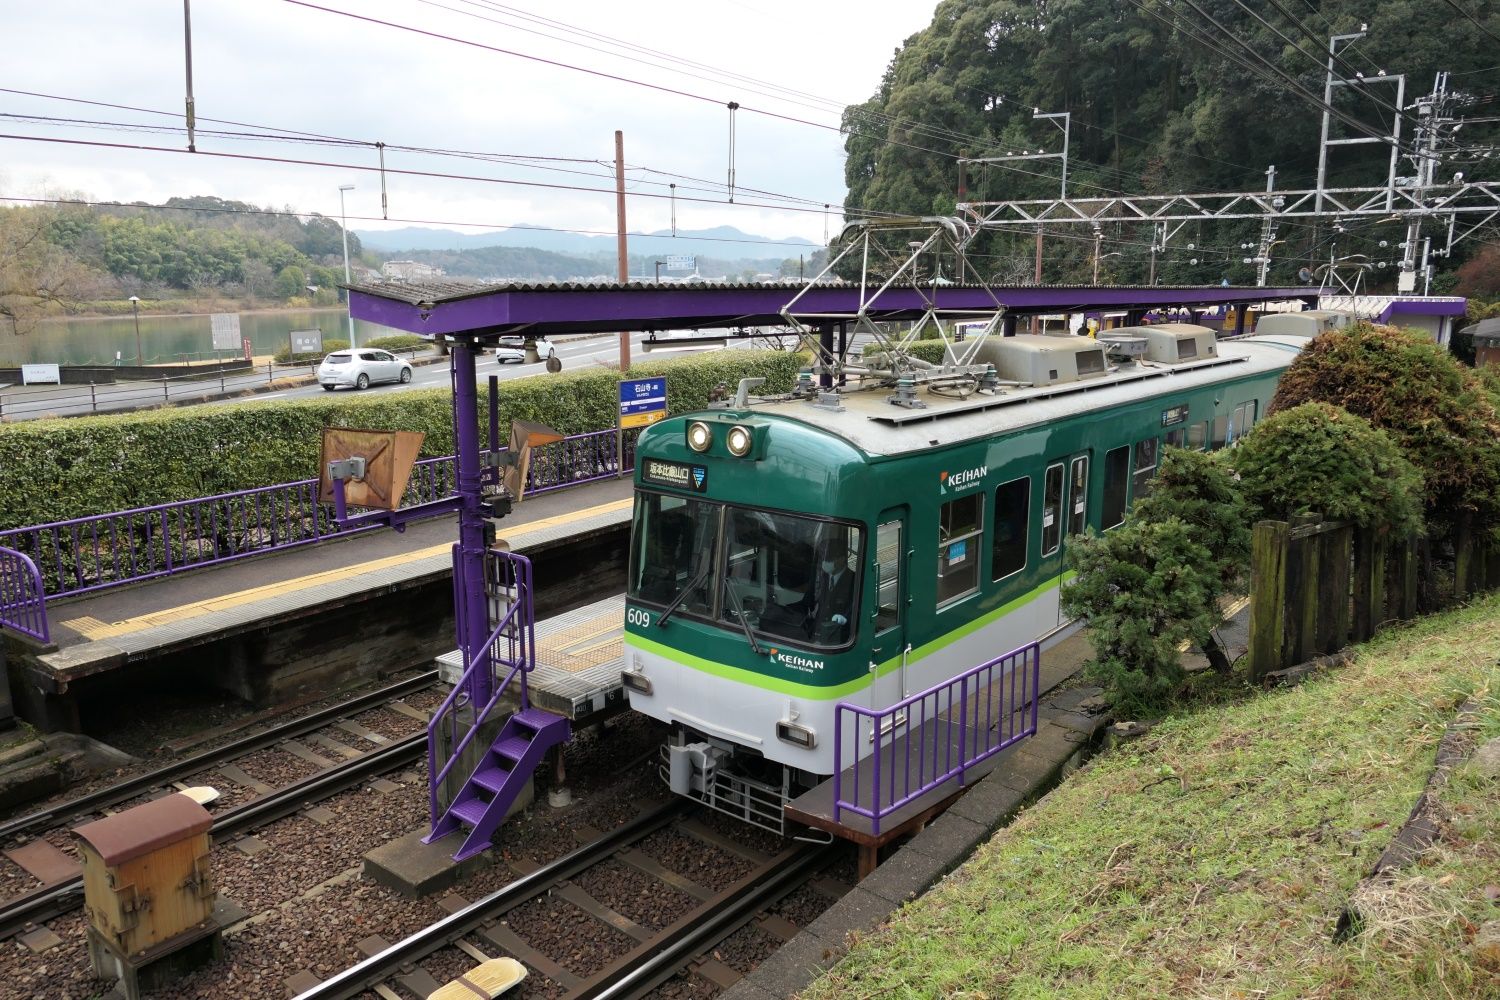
point(746, 580)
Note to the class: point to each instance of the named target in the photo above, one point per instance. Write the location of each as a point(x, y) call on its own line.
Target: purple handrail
point(517, 630)
point(87, 554)
point(941, 732)
point(23, 603)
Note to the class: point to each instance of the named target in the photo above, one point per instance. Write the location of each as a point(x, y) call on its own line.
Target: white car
point(361, 367)
point(514, 349)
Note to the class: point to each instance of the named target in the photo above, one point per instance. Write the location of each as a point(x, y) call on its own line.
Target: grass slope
point(1212, 858)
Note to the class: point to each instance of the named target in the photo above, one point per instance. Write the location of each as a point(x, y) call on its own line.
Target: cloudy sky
point(281, 67)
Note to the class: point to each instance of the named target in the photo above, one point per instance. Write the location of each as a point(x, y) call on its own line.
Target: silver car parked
point(360, 367)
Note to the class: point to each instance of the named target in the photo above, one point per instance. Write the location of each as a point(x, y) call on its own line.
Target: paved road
point(31, 402)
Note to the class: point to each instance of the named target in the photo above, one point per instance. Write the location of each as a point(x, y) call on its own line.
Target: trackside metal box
point(146, 879)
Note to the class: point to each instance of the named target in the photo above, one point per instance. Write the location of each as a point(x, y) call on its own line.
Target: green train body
point(955, 517)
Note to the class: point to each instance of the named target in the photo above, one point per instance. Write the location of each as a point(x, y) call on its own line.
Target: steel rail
point(688, 939)
point(379, 967)
point(132, 787)
point(52, 901)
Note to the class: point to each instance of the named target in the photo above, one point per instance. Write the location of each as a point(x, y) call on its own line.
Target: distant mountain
point(722, 242)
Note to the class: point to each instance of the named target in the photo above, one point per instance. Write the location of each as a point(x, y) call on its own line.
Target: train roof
point(869, 421)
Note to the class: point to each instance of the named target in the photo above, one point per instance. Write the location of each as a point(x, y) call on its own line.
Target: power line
point(439, 175)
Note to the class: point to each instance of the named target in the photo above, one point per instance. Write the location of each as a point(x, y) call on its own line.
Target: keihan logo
point(796, 660)
point(962, 479)
point(699, 475)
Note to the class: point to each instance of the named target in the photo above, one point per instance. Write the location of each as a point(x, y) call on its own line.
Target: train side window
point(887, 576)
point(1012, 507)
point(1052, 490)
point(960, 532)
point(1177, 438)
point(1220, 432)
point(1116, 476)
point(1244, 419)
point(1198, 435)
point(1146, 452)
point(1078, 496)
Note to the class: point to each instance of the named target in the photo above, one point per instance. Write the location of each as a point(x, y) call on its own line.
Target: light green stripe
point(819, 692)
point(743, 676)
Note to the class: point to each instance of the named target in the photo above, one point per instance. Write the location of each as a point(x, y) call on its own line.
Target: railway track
point(496, 925)
point(56, 898)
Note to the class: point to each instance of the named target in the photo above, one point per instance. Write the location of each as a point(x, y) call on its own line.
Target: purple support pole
point(494, 413)
point(340, 504)
point(470, 589)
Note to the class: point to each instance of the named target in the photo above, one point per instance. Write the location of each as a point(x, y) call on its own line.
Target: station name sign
point(678, 475)
point(643, 401)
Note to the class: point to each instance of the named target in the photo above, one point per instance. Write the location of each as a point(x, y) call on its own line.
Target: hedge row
point(57, 469)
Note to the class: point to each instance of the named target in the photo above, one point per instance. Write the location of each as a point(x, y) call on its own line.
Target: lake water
point(167, 338)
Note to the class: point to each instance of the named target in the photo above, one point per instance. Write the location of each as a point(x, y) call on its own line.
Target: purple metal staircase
point(503, 770)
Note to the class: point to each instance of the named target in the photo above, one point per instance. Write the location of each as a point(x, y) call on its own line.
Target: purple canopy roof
point(497, 309)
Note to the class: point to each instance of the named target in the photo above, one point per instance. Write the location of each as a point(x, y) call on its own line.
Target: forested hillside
point(1159, 106)
point(57, 257)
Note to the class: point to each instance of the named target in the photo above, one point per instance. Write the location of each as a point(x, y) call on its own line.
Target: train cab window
point(1220, 436)
point(1116, 478)
point(888, 559)
point(1078, 496)
point(790, 577)
point(1146, 453)
point(675, 539)
point(1197, 435)
point(960, 531)
point(1012, 504)
point(1052, 490)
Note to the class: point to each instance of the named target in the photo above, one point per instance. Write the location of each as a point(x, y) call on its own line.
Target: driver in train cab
point(828, 603)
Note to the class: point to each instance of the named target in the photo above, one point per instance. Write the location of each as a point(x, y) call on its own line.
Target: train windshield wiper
point(682, 595)
point(739, 613)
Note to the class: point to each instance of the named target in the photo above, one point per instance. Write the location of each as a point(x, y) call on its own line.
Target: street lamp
point(658, 270)
point(344, 226)
point(1098, 258)
point(135, 307)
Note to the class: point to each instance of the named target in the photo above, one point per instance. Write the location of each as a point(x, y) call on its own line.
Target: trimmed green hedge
point(398, 342)
point(284, 354)
point(64, 468)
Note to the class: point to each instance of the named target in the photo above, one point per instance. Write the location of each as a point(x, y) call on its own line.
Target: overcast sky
point(280, 65)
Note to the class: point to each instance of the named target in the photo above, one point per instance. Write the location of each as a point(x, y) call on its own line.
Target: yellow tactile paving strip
point(586, 645)
point(94, 629)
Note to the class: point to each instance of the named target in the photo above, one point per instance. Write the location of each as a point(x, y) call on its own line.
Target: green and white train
point(815, 549)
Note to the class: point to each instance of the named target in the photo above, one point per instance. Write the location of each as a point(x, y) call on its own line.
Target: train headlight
point(699, 436)
point(739, 441)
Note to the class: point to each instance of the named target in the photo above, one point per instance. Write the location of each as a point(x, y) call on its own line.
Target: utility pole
point(1267, 232)
point(187, 42)
point(1429, 126)
point(620, 246)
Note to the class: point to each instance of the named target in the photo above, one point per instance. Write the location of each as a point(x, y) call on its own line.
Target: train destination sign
point(675, 474)
point(1175, 415)
point(643, 401)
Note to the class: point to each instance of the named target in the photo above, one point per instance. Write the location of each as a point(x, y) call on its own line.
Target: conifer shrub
point(1435, 409)
point(1319, 458)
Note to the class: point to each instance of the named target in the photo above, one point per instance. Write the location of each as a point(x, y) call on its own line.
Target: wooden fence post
point(1333, 589)
point(1268, 596)
point(1365, 615)
point(1463, 560)
point(1305, 567)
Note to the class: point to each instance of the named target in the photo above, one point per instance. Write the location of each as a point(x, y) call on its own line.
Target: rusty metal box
point(145, 873)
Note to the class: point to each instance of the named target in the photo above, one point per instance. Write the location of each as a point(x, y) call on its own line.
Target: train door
point(1065, 509)
point(889, 648)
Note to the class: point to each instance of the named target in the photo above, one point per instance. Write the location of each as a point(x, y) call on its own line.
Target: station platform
point(268, 626)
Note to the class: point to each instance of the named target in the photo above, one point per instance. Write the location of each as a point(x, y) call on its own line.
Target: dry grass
point(1227, 881)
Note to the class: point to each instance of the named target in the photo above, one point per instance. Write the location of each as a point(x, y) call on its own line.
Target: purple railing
point(23, 602)
point(509, 652)
point(933, 736)
point(92, 553)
